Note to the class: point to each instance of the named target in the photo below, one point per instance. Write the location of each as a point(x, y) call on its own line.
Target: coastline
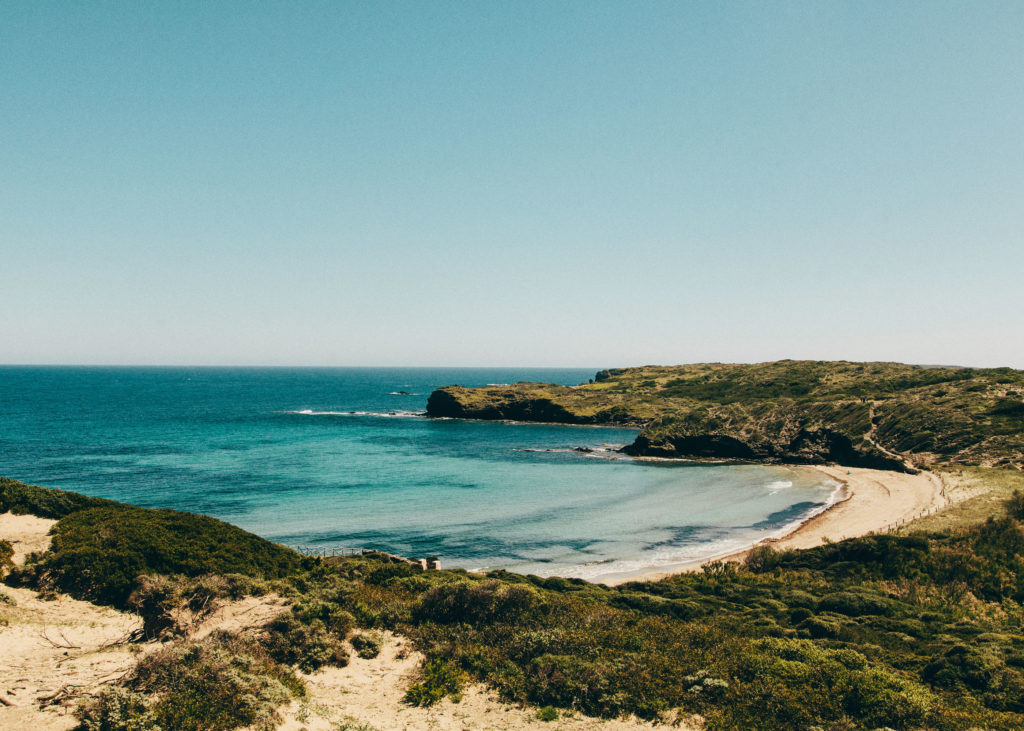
point(868, 501)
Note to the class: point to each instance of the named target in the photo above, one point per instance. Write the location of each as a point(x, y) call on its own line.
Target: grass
point(976, 493)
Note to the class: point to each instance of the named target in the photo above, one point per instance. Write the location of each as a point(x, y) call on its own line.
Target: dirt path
point(870, 437)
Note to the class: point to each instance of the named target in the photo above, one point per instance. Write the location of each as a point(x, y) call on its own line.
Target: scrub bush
point(6, 552)
point(98, 553)
point(367, 644)
point(221, 683)
point(306, 645)
point(438, 680)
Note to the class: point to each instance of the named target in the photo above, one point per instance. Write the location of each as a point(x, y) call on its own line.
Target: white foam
point(397, 414)
point(779, 485)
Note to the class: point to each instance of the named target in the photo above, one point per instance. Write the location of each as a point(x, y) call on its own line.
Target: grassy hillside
point(883, 415)
point(899, 631)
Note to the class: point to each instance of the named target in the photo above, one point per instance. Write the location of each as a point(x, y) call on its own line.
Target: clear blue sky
point(511, 183)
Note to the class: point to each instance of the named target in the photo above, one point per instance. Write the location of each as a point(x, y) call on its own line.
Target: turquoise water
point(341, 457)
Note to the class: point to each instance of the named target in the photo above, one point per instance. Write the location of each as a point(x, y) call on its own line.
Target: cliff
point(880, 415)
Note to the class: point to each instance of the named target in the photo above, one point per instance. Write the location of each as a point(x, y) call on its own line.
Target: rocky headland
point(877, 415)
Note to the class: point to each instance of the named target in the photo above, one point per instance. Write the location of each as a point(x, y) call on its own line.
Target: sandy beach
point(870, 501)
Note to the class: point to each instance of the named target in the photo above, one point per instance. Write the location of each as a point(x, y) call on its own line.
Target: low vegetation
point(6, 552)
point(224, 682)
point(900, 631)
point(101, 548)
point(881, 415)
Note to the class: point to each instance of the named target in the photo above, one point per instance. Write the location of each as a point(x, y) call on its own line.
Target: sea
point(333, 459)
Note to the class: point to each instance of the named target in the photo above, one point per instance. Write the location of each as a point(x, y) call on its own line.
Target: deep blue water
point(337, 457)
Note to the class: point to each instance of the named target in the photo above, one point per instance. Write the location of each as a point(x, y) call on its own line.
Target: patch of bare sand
point(27, 533)
point(367, 696)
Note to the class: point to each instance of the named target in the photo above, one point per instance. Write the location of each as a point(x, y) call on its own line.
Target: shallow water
point(333, 458)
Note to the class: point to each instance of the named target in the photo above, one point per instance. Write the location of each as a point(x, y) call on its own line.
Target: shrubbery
point(474, 602)
point(221, 683)
point(165, 602)
point(6, 552)
point(98, 553)
point(367, 644)
point(438, 679)
point(21, 499)
point(308, 645)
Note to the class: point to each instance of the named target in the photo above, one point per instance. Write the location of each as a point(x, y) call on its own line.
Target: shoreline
point(869, 501)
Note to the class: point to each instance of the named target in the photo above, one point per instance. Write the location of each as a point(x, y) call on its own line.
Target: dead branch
point(65, 646)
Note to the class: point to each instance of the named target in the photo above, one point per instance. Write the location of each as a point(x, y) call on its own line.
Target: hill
point(878, 415)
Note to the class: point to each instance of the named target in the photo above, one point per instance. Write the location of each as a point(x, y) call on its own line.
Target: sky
point(513, 183)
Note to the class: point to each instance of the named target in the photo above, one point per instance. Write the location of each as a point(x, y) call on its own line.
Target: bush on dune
point(44, 502)
point(99, 552)
point(221, 683)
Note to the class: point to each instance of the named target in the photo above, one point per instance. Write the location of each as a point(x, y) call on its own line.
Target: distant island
point(877, 415)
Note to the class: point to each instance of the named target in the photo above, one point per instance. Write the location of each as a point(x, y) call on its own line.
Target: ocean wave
point(779, 485)
point(397, 414)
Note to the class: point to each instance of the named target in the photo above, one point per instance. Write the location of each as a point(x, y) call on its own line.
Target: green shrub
point(761, 558)
point(854, 604)
point(367, 644)
point(224, 682)
point(6, 552)
point(818, 627)
point(308, 646)
point(98, 553)
point(116, 709)
point(880, 698)
point(22, 499)
point(547, 713)
point(959, 667)
point(335, 619)
point(438, 679)
point(475, 602)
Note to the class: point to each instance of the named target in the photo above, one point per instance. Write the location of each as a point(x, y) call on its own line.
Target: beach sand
point(872, 501)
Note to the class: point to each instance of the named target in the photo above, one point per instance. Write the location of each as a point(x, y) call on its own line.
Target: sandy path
point(27, 533)
point(876, 500)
